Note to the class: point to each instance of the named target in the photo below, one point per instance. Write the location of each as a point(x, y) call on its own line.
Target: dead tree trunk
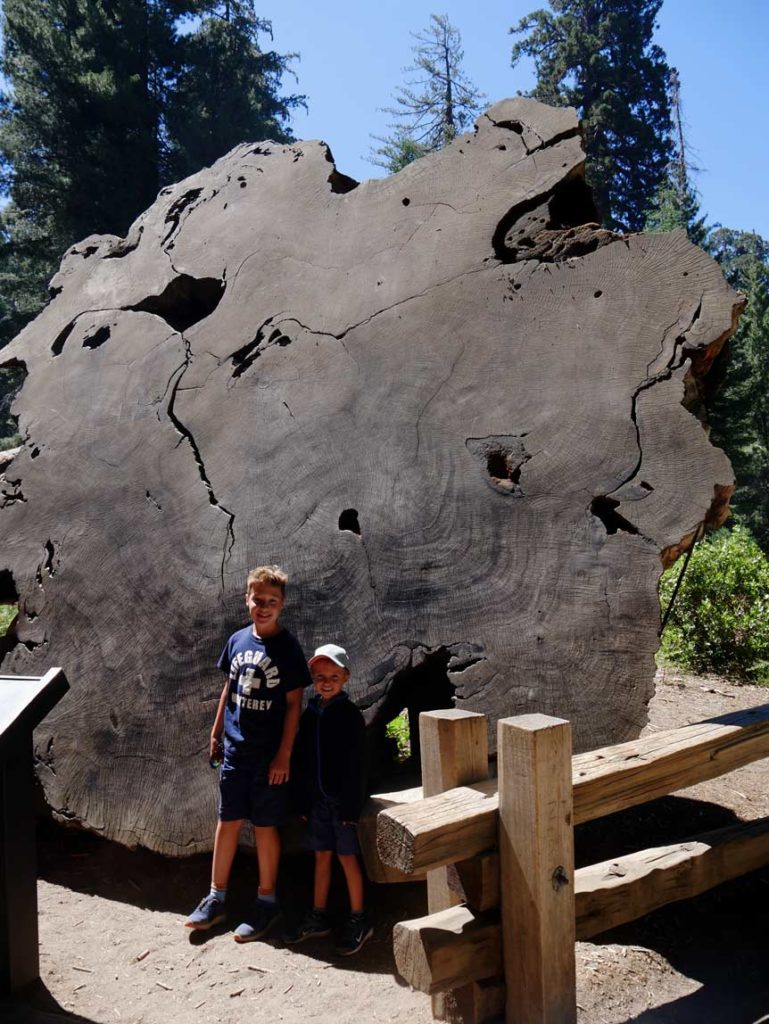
point(452, 407)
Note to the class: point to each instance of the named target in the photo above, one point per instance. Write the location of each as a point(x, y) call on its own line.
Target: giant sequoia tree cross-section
point(455, 410)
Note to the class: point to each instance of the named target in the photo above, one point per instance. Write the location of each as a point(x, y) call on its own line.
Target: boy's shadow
point(92, 865)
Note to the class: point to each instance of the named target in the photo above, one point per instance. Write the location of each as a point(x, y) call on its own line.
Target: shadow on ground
point(36, 1005)
point(720, 939)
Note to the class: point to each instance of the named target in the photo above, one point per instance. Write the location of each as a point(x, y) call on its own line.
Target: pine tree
point(598, 56)
point(676, 204)
point(105, 101)
point(228, 90)
point(79, 131)
point(435, 105)
point(739, 415)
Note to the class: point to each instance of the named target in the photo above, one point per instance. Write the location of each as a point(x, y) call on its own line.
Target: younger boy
point(257, 715)
point(329, 770)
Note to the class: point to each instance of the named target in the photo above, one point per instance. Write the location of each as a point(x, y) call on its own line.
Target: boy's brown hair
point(272, 574)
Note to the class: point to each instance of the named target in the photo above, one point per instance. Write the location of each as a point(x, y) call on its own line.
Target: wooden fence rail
point(505, 901)
point(433, 832)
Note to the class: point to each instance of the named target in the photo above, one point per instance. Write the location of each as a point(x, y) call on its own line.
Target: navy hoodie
point(329, 758)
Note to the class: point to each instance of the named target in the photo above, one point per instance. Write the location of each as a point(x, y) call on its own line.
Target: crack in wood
point(187, 435)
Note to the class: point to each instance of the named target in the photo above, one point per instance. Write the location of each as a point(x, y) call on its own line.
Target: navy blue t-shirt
point(261, 672)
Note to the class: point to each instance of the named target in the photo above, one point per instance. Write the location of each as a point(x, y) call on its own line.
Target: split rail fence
point(505, 903)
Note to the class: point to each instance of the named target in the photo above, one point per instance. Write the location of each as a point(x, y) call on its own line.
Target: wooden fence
point(505, 903)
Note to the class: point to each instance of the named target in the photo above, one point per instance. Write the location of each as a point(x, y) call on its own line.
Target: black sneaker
point(262, 917)
point(313, 925)
point(355, 931)
point(207, 913)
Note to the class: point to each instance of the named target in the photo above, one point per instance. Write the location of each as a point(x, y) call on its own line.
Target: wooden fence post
point(536, 846)
point(454, 751)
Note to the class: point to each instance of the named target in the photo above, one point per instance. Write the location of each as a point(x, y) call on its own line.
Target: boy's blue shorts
point(325, 830)
point(245, 793)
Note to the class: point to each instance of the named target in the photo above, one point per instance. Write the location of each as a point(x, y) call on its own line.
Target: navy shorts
point(325, 830)
point(245, 793)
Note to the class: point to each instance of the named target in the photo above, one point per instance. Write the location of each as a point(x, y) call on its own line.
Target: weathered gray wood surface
point(448, 352)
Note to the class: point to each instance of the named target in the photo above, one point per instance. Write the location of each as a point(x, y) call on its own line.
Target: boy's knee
point(231, 826)
point(324, 854)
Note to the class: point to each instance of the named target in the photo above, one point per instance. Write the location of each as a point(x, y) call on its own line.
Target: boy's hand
point(214, 748)
point(278, 771)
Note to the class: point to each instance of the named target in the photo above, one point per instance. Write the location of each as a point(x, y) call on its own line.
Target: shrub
point(720, 621)
point(398, 730)
point(7, 615)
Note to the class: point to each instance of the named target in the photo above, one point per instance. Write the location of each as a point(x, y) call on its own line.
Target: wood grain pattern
point(491, 385)
point(536, 854)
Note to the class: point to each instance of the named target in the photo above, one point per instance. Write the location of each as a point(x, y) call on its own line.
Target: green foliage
point(436, 104)
point(720, 621)
point(11, 379)
point(104, 101)
point(739, 415)
point(598, 56)
point(676, 204)
point(398, 730)
point(7, 615)
point(398, 151)
point(227, 90)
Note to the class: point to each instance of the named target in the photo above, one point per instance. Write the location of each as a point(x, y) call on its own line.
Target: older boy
point(258, 714)
point(329, 766)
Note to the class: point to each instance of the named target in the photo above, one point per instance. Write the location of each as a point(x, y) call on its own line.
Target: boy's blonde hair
point(272, 574)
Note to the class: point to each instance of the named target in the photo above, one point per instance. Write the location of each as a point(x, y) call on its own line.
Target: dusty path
point(103, 907)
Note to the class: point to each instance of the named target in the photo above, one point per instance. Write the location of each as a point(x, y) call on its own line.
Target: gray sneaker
point(262, 917)
point(207, 913)
point(313, 925)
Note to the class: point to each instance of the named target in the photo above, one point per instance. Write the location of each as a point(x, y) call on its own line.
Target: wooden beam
point(536, 853)
point(614, 892)
point(447, 950)
point(479, 1002)
point(613, 778)
point(617, 891)
point(462, 822)
point(376, 869)
point(439, 829)
point(476, 881)
point(454, 748)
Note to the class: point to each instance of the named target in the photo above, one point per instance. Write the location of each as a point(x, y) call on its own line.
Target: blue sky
point(353, 53)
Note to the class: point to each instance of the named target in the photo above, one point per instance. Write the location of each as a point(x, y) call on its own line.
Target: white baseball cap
point(334, 653)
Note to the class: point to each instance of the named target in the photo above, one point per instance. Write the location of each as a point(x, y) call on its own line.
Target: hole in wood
point(97, 338)
point(348, 520)
point(423, 685)
point(8, 591)
point(605, 509)
point(184, 301)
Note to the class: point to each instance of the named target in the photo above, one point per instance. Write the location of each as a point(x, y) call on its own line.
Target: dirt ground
point(113, 948)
